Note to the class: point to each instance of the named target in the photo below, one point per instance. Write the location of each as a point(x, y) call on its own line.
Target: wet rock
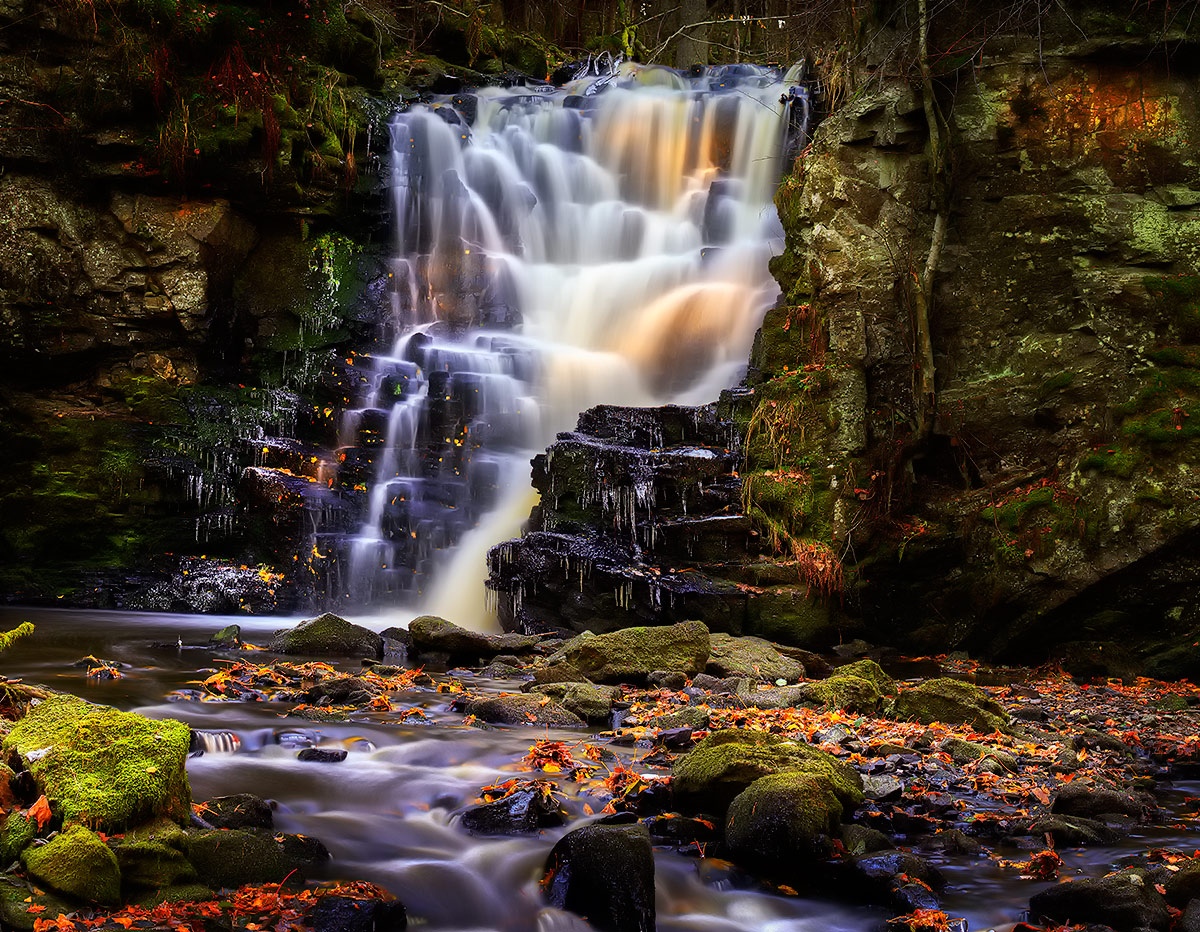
point(432, 635)
point(782, 697)
point(869, 670)
point(151, 858)
point(322, 755)
point(1073, 831)
point(505, 667)
point(1124, 901)
point(227, 637)
point(236, 857)
point(1190, 920)
point(882, 787)
point(555, 672)
point(632, 654)
point(342, 690)
point(952, 841)
point(666, 679)
point(851, 693)
point(346, 914)
point(590, 702)
point(1082, 799)
point(16, 901)
point(605, 873)
point(860, 839)
point(240, 810)
point(750, 657)
point(723, 765)
point(991, 760)
point(783, 819)
point(77, 863)
point(517, 709)
point(692, 717)
point(396, 641)
point(951, 702)
point(16, 831)
point(521, 812)
point(1183, 885)
point(107, 768)
point(328, 635)
point(680, 830)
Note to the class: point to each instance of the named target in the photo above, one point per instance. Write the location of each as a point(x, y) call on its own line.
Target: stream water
point(387, 813)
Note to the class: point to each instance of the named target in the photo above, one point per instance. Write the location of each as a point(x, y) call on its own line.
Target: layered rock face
point(1051, 506)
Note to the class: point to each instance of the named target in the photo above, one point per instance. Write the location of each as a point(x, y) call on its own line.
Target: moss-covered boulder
point(606, 874)
point(16, 901)
point(992, 760)
point(16, 831)
point(752, 657)
point(517, 709)
point(236, 857)
point(76, 862)
point(869, 670)
point(590, 702)
point(710, 776)
point(783, 819)
point(632, 654)
point(851, 693)
point(432, 635)
point(328, 635)
point(102, 767)
point(152, 858)
point(951, 702)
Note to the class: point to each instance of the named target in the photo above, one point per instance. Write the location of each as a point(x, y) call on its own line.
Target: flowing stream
point(388, 812)
point(556, 248)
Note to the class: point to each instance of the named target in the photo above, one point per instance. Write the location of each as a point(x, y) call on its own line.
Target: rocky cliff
point(1046, 506)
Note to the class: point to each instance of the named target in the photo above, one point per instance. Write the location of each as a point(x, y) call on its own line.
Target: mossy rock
point(14, 911)
point(869, 670)
point(236, 857)
point(152, 858)
point(752, 657)
point(17, 831)
point(783, 819)
point(590, 702)
point(179, 893)
point(965, 752)
point(77, 863)
point(632, 654)
point(852, 693)
point(951, 702)
point(102, 767)
point(328, 635)
point(710, 776)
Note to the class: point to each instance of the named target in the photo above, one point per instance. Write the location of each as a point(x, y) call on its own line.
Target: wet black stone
point(322, 755)
point(606, 873)
point(345, 914)
point(241, 810)
point(1123, 901)
point(520, 813)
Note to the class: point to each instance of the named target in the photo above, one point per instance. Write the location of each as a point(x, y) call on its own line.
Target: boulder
point(523, 811)
point(240, 810)
point(606, 874)
point(710, 776)
point(16, 901)
point(517, 709)
point(328, 635)
point(1072, 831)
point(152, 858)
point(77, 863)
point(228, 637)
point(992, 760)
point(590, 702)
point(432, 635)
point(851, 693)
point(1123, 901)
point(16, 831)
point(231, 858)
point(752, 657)
point(1183, 885)
point(347, 914)
point(630, 655)
point(869, 670)
point(102, 767)
point(951, 702)
point(342, 690)
point(1082, 799)
point(783, 819)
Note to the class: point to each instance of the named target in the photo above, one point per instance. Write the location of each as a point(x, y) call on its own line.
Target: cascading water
point(557, 248)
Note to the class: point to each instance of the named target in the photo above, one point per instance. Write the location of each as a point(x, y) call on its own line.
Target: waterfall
point(555, 248)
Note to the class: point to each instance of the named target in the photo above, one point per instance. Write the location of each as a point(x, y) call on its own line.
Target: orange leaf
point(40, 813)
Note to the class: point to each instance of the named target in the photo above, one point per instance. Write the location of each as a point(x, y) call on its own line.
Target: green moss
point(17, 831)
point(871, 671)
point(76, 862)
point(951, 702)
point(236, 857)
point(1183, 355)
point(103, 767)
point(9, 638)
point(17, 898)
point(783, 818)
point(152, 858)
point(712, 774)
point(851, 693)
point(178, 893)
point(1119, 463)
point(1055, 383)
point(1179, 295)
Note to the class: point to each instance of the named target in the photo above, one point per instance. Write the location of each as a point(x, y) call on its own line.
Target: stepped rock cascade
point(556, 248)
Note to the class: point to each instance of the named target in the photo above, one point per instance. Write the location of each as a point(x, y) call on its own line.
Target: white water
point(606, 242)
